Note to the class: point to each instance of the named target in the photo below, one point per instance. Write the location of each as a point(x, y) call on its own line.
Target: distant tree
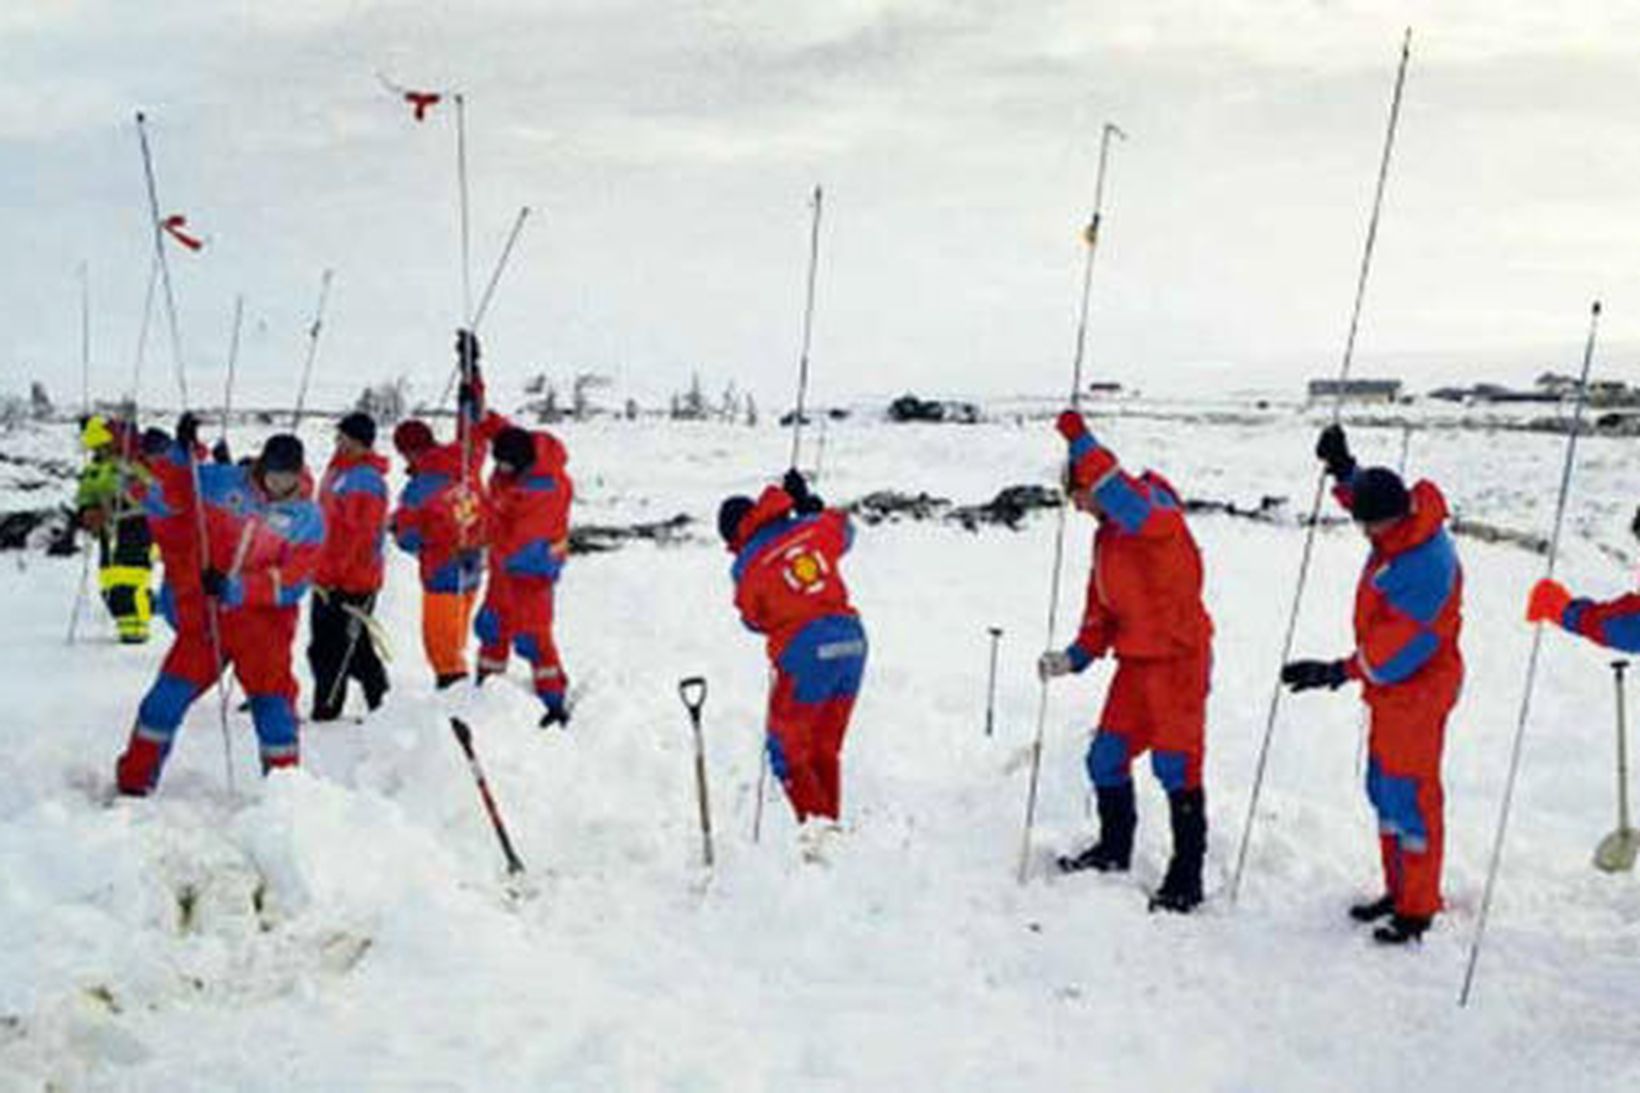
point(585, 383)
point(39, 402)
point(691, 405)
point(632, 409)
point(751, 410)
point(386, 402)
point(13, 412)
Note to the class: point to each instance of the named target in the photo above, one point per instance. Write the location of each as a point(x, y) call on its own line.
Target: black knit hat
point(360, 426)
point(282, 452)
point(730, 514)
point(1378, 494)
point(514, 447)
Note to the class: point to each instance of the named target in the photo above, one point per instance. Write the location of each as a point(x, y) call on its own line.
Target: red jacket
point(1144, 599)
point(1612, 623)
point(526, 516)
point(268, 550)
point(787, 568)
point(1409, 604)
point(353, 498)
point(439, 518)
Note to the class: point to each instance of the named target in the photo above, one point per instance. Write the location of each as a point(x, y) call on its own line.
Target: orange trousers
point(445, 619)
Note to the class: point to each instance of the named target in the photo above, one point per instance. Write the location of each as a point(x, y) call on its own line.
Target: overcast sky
point(668, 149)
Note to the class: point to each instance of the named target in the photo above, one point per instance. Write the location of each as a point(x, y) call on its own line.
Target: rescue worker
point(104, 506)
point(1613, 623)
point(353, 500)
point(1144, 606)
point(440, 518)
point(526, 524)
point(789, 587)
point(264, 537)
point(1408, 615)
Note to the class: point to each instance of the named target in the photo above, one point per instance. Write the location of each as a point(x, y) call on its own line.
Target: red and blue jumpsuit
point(1144, 603)
point(1408, 615)
point(268, 551)
point(440, 519)
point(1612, 623)
point(526, 522)
point(789, 588)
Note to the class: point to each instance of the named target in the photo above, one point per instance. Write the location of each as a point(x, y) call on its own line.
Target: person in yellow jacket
point(104, 507)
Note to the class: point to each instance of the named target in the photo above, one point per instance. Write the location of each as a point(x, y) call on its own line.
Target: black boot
point(1373, 910)
point(1181, 889)
point(1114, 850)
point(1402, 929)
point(448, 679)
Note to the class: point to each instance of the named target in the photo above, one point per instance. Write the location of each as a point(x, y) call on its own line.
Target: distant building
point(1550, 387)
point(1356, 390)
point(1104, 387)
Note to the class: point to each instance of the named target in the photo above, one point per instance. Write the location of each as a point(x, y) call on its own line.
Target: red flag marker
point(422, 101)
point(173, 226)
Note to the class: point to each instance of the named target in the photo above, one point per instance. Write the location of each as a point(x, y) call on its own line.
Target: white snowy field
point(347, 925)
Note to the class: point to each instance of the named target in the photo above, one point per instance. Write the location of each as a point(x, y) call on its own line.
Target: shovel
point(1616, 852)
point(693, 693)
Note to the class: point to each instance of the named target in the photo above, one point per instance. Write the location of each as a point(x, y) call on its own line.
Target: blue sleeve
point(1614, 625)
point(1121, 498)
point(535, 559)
point(364, 479)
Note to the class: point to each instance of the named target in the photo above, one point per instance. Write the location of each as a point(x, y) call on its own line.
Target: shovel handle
point(692, 691)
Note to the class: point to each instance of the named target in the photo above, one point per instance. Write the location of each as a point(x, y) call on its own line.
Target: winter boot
point(138, 768)
point(1114, 850)
point(1181, 889)
point(449, 679)
point(555, 715)
point(1402, 929)
point(1373, 910)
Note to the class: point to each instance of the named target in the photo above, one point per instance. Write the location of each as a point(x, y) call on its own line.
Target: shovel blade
point(1617, 851)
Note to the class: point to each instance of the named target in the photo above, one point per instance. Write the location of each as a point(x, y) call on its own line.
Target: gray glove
point(1055, 662)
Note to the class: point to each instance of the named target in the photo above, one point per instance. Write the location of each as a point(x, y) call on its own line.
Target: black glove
point(155, 440)
point(797, 488)
point(466, 399)
point(213, 581)
point(220, 453)
point(1307, 675)
point(467, 352)
point(1635, 525)
point(1333, 450)
point(188, 430)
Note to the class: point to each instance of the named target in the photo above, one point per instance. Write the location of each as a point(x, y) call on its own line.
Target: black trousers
point(338, 644)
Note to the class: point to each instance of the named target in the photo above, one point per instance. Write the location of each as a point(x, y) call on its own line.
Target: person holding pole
point(353, 499)
point(1408, 616)
point(439, 519)
point(526, 529)
point(789, 587)
point(1613, 623)
point(265, 538)
point(104, 507)
point(1144, 605)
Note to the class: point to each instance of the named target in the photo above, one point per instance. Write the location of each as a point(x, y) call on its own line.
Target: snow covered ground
point(347, 925)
